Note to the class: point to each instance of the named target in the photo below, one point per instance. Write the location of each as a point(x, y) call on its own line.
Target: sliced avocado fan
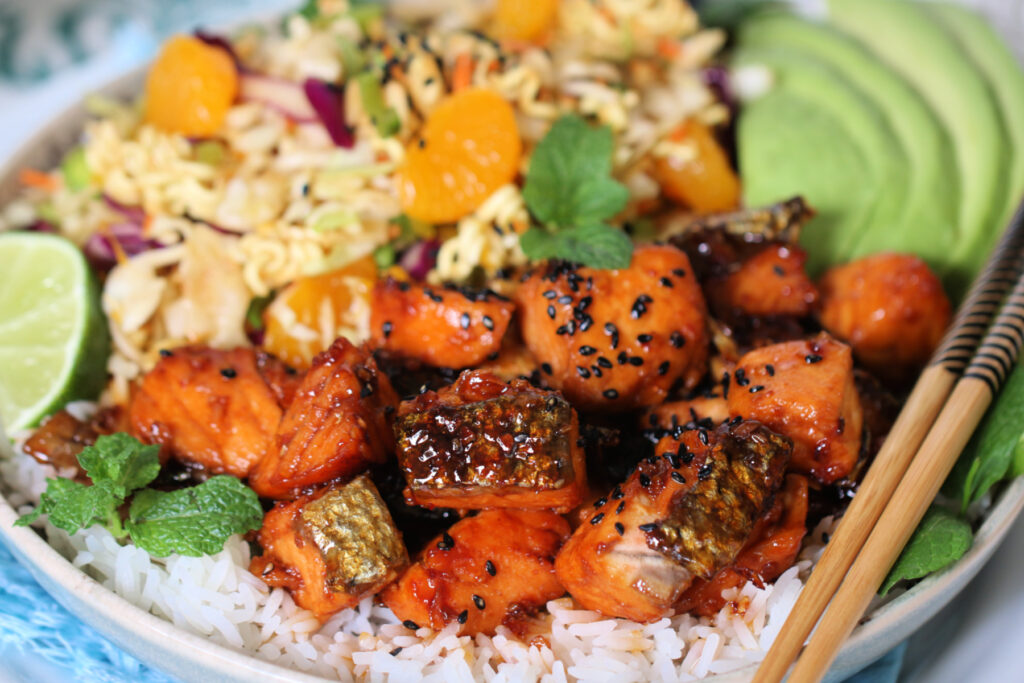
point(1005, 79)
point(885, 184)
point(907, 38)
point(834, 183)
point(927, 223)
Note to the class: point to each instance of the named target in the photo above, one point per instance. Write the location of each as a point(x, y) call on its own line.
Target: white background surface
point(980, 637)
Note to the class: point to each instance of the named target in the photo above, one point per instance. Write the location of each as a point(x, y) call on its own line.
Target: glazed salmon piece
point(771, 282)
point(804, 390)
point(481, 443)
point(439, 326)
point(772, 549)
point(616, 339)
point(486, 571)
point(338, 425)
point(209, 407)
point(683, 514)
point(331, 548)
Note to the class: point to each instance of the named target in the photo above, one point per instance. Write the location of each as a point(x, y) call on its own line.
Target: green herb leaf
point(569, 182)
point(993, 452)
point(941, 539)
point(122, 462)
point(72, 506)
point(75, 169)
point(1017, 468)
point(210, 152)
point(539, 244)
point(194, 521)
point(254, 313)
point(384, 118)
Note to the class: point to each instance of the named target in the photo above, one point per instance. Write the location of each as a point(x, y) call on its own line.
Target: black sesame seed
point(404, 286)
point(551, 312)
point(479, 602)
point(621, 529)
point(639, 306)
point(686, 455)
point(611, 394)
point(613, 332)
point(596, 369)
point(395, 652)
point(604, 362)
point(663, 368)
point(464, 321)
point(490, 568)
point(620, 508)
point(650, 526)
point(488, 322)
point(756, 388)
point(770, 369)
point(617, 493)
point(411, 625)
point(824, 537)
point(842, 425)
point(644, 338)
point(562, 329)
point(778, 270)
point(422, 143)
point(587, 350)
point(446, 542)
point(623, 358)
point(599, 502)
point(564, 299)
point(436, 298)
point(596, 519)
point(584, 303)
point(166, 353)
point(677, 340)
point(545, 368)
point(550, 294)
point(679, 272)
point(366, 391)
point(676, 461)
point(386, 329)
point(228, 373)
point(678, 478)
point(645, 481)
point(463, 616)
point(582, 372)
point(812, 358)
point(636, 361)
point(703, 436)
point(665, 282)
point(741, 377)
point(704, 472)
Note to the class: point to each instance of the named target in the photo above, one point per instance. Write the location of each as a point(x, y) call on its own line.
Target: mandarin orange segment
point(469, 147)
point(524, 20)
point(705, 183)
point(190, 87)
point(303, 319)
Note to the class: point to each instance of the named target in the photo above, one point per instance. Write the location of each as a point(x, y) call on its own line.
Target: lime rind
point(53, 336)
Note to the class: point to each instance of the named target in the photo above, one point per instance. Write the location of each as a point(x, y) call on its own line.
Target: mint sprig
point(191, 521)
point(570, 191)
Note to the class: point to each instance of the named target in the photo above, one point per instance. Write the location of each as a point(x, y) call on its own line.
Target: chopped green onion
point(365, 14)
point(384, 256)
point(75, 169)
point(384, 118)
point(352, 58)
point(254, 314)
point(48, 213)
point(210, 152)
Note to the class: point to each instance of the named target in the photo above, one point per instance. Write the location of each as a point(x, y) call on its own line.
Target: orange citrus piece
point(706, 183)
point(190, 87)
point(524, 20)
point(469, 147)
point(303, 319)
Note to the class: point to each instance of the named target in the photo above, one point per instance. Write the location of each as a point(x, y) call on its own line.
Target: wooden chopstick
point(918, 414)
point(972, 395)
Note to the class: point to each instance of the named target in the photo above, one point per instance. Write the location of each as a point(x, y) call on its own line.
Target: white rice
point(216, 597)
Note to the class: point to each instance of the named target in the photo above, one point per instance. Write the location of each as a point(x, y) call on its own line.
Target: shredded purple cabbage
point(221, 42)
point(101, 248)
point(214, 226)
point(420, 258)
point(328, 101)
point(134, 214)
point(41, 226)
point(719, 80)
point(281, 95)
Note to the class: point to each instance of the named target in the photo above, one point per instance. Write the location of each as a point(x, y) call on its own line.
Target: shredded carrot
point(680, 133)
point(669, 48)
point(462, 73)
point(30, 177)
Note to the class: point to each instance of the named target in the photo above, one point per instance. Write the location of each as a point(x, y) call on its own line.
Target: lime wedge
point(53, 336)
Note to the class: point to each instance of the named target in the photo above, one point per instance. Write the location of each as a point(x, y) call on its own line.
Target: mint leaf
point(539, 244)
point(569, 182)
point(194, 521)
point(122, 461)
point(941, 539)
point(72, 506)
point(992, 454)
point(598, 246)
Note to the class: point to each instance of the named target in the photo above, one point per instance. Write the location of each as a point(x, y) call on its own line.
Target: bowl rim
point(115, 617)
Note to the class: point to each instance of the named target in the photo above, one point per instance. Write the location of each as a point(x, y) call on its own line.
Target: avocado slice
point(932, 194)
point(837, 184)
point(906, 37)
point(1005, 79)
point(886, 183)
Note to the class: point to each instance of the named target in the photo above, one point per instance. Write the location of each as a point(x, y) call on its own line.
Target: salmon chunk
point(337, 425)
point(331, 548)
point(486, 571)
point(209, 407)
point(439, 326)
point(771, 282)
point(804, 390)
point(481, 443)
point(616, 339)
point(683, 514)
